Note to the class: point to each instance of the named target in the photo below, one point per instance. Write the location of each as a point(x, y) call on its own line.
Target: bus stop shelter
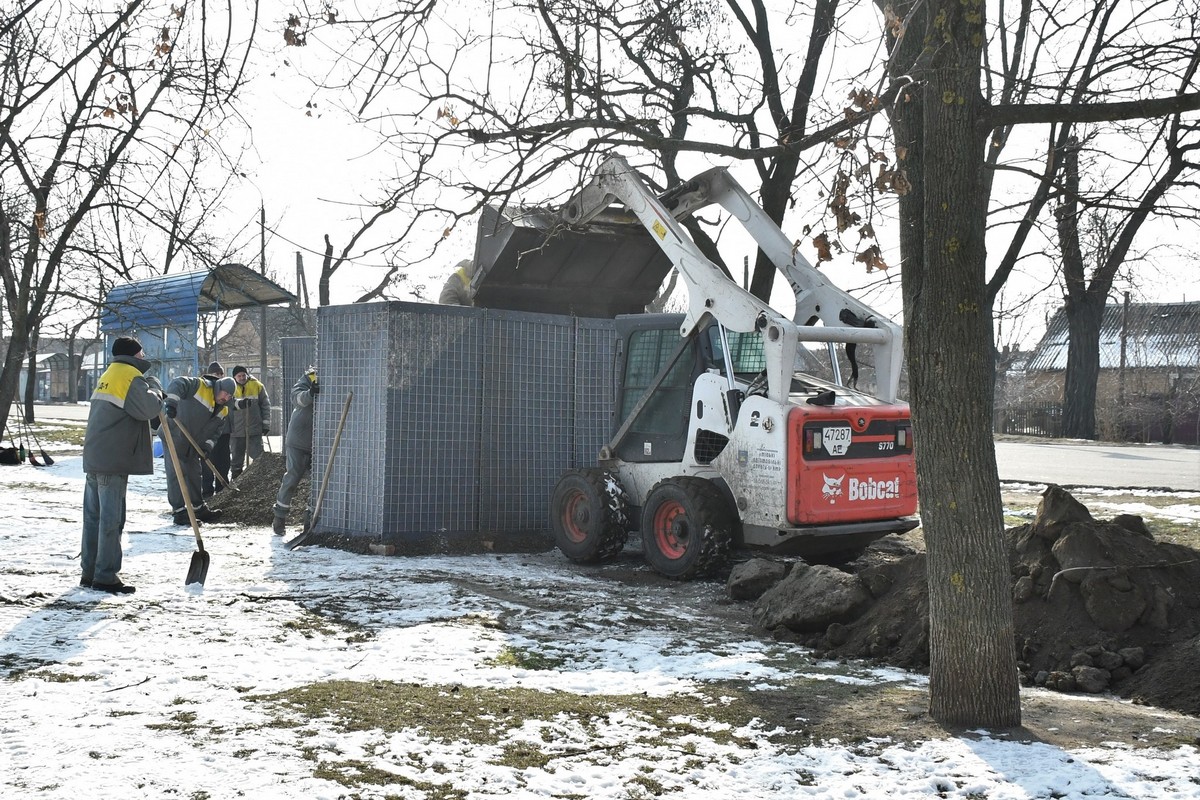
point(163, 313)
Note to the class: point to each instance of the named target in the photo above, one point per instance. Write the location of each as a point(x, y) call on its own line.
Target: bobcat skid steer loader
point(719, 441)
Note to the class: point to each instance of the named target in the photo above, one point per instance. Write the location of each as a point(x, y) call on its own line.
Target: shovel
point(45, 456)
point(25, 433)
point(211, 466)
point(198, 569)
point(301, 537)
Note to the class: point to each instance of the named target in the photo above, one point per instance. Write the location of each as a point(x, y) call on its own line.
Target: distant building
point(1149, 383)
point(243, 345)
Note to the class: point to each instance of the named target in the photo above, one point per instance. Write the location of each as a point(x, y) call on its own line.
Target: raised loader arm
point(712, 293)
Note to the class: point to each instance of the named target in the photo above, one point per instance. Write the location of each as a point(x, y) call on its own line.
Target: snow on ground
point(154, 695)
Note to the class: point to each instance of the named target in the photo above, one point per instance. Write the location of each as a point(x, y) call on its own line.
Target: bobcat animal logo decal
point(832, 488)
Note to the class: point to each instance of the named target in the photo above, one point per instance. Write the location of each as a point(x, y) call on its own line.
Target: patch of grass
point(183, 722)
point(18, 666)
point(645, 786)
point(61, 434)
point(483, 716)
point(312, 624)
point(524, 658)
point(352, 773)
point(63, 677)
point(477, 714)
point(481, 620)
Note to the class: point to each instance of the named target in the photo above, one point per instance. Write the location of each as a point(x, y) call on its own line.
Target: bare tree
point(99, 111)
point(945, 123)
point(1115, 219)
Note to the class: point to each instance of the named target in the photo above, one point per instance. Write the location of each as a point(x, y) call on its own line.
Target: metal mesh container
point(461, 422)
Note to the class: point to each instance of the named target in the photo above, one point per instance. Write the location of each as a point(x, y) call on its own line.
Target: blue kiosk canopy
point(163, 313)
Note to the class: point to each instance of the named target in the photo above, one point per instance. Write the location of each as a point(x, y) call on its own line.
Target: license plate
point(836, 441)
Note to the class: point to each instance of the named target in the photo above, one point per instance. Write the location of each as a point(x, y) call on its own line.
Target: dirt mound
point(1098, 605)
point(253, 502)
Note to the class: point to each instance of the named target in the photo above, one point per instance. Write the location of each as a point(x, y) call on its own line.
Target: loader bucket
point(527, 262)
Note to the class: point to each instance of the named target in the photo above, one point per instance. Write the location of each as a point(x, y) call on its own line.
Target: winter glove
point(171, 408)
point(314, 388)
point(266, 430)
point(241, 403)
point(209, 444)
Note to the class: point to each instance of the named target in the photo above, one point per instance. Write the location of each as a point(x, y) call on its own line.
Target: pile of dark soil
point(251, 501)
point(1098, 606)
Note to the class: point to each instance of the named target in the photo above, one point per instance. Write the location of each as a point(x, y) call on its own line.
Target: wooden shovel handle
point(163, 421)
point(337, 437)
point(207, 460)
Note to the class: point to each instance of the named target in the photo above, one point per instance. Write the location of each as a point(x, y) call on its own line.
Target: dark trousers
point(220, 459)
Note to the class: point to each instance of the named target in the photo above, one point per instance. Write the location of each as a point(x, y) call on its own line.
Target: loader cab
point(661, 401)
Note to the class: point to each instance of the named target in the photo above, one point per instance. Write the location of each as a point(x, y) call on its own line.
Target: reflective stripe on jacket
point(118, 437)
point(250, 421)
point(197, 410)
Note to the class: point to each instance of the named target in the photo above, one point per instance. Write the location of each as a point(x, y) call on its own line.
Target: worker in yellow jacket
point(250, 420)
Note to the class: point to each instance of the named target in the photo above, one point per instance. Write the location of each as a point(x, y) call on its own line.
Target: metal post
point(1124, 339)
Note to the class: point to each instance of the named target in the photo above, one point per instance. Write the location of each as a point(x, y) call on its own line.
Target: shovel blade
point(299, 539)
point(46, 457)
point(198, 569)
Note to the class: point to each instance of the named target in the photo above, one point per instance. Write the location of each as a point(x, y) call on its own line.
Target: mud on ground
point(251, 499)
point(1099, 606)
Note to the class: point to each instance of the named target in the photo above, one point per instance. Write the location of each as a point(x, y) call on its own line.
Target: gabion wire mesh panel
point(298, 354)
point(527, 422)
point(463, 418)
point(434, 395)
point(594, 389)
point(352, 356)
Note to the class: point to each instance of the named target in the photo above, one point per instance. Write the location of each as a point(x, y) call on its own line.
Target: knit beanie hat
point(126, 346)
point(215, 368)
point(239, 369)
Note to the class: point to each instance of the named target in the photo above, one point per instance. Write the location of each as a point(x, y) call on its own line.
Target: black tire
point(687, 528)
point(590, 520)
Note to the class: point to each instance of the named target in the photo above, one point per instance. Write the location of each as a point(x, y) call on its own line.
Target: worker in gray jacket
point(117, 444)
point(456, 291)
point(298, 445)
point(199, 406)
point(249, 421)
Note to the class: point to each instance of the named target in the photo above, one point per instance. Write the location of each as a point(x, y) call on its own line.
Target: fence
point(1149, 418)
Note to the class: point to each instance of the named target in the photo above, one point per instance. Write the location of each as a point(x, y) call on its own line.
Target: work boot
point(277, 527)
point(181, 518)
point(206, 514)
point(114, 588)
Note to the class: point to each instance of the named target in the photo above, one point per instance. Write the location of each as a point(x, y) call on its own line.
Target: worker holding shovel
point(298, 445)
point(199, 407)
point(117, 444)
point(251, 420)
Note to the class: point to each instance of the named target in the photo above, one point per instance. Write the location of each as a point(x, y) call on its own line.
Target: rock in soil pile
point(254, 501)
point(1099, 606)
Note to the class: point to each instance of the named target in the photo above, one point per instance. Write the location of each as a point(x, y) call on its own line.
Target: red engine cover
point(850, 464)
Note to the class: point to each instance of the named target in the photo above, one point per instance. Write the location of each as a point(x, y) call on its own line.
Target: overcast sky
point(311, 164)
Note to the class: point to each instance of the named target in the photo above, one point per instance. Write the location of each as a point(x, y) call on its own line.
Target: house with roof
point(1149, 383)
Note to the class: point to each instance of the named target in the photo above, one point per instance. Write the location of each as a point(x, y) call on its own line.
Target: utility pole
point(262, 261)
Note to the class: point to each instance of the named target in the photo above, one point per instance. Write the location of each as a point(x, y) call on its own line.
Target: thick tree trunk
point(1084, 318)
point(948, 339)
point(31, 379)
point(10, 376)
